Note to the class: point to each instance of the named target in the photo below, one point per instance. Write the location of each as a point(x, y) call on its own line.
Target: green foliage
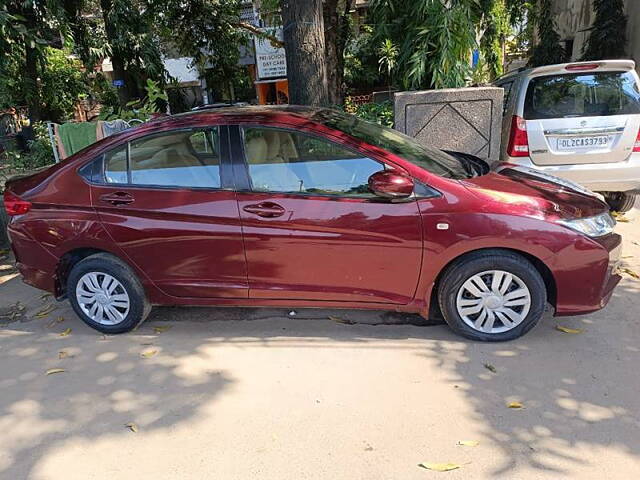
point(380, 113)
point(141, 109)
point(497, 21)
point(361, 61)
point(63, 83)
point(435, 39)
point(39, 154)
point(205, 30)
point(607, 35)
point(388, 57)
point(548, 51)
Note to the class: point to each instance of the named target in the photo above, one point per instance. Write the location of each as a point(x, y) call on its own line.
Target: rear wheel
point(620, 201)
point(492, 296)
point(106, 294)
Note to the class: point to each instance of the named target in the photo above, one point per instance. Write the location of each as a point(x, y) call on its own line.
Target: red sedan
point(304, 207)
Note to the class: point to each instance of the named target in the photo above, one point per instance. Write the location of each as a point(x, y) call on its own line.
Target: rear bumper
point(36, 265)
point(597, 177)
point(600, 278)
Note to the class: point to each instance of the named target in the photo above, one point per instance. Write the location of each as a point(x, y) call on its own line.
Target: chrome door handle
point(265, 209)
point(117, 198)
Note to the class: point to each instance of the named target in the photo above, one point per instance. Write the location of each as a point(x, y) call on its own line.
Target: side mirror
point(390, 184)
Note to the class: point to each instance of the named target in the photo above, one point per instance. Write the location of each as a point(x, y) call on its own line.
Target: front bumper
point(597, 177)
point(589, 288)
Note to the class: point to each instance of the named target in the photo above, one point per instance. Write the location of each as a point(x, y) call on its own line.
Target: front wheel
point(620, 201)
point(106, 294)
point(492, 296)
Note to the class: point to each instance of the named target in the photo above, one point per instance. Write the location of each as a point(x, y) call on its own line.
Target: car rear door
point(582, 117)
point(167, 201)
point(312, 230)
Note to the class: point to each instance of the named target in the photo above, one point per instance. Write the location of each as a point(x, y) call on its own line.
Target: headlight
point(591, 226)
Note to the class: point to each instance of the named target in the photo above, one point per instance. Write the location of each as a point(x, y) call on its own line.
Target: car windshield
point(582, 95)
point(428, 158)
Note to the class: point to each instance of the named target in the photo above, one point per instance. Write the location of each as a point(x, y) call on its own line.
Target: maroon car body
point(235, 246)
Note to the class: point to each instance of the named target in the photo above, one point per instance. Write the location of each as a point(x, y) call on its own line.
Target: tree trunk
point(119, 73)
point(31, 87)
point(305, 50)
point(336, 33)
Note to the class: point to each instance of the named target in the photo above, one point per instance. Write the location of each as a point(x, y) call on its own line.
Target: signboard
point(271, 61)
point(118, 83)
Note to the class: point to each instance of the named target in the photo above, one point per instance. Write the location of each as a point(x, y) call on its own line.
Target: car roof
point(561, 68)
point(272, 111)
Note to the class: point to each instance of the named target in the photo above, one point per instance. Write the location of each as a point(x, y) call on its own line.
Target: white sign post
point(271, 61)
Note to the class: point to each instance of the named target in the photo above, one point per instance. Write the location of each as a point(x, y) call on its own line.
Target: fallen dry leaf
point(568, 330)
point(490, 367)
point(148, 353)
point(51, 371)
point(63, 354)
point(53, 323)
point(340, 320)
point(44, 296)
point(515, 405)
point(162, 328)
point(629, 272)
point(439, 467)
point(132, 426)
point(468, 443)
point(45, 311)
point(65, 333)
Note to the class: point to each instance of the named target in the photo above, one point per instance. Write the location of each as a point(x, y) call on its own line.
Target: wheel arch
point(539, 265)
point(70, 258)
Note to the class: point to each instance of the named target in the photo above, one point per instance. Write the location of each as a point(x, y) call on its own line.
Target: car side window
point(507, 96)
point(115, 165)
point(183, 158)
point(291, 162)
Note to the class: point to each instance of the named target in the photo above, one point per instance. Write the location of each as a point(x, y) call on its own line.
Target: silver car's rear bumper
point(597, 177)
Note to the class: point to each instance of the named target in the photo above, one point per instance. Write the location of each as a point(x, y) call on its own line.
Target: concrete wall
point(462, 119)
point(574, 17)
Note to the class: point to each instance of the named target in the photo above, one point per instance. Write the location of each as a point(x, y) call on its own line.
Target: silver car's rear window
point(582, 95)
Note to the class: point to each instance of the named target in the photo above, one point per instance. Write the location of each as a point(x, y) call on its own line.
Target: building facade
point(574, 17)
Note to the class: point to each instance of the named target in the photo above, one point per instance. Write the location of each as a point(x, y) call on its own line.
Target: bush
point(39, 155)
point(380, 113)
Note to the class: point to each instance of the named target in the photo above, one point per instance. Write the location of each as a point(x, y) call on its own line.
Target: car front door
point(167, 201)
point(312, 230)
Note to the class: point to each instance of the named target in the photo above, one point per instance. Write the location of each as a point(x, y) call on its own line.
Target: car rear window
point(582, 95)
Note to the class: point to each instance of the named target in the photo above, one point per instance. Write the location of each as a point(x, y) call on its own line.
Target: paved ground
point(264, 396)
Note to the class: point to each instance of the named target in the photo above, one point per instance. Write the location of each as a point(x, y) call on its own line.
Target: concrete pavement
point(244, 394)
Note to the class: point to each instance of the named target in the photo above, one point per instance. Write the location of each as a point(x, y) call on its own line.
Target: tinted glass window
point(582, 95)
point(507, 96)
point(430, 159)
point(283, 161)
point(172, 159)
point(115, 166)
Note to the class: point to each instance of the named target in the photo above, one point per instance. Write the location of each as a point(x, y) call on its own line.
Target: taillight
point(518, 140)
point(636, 146)
point(14, 205)
point(580, 67)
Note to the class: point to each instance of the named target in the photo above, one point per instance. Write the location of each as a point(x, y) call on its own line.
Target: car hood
point(523, 191)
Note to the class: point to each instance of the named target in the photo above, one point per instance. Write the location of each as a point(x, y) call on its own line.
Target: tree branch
point(255, 30)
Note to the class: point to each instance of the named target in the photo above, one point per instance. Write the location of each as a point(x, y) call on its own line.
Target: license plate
point(571, 143)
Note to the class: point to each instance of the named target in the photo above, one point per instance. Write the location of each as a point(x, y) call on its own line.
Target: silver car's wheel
point(102, 298)
point(493, 301)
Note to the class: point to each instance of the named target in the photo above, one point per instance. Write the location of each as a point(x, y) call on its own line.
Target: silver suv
point(578, 121)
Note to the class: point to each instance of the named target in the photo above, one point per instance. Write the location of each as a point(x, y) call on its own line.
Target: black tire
point(139, 306)
point(468, 266)
point(620, 201)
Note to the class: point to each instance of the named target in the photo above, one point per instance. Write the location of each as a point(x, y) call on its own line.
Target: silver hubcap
point(102, 298)
point(494, 301)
